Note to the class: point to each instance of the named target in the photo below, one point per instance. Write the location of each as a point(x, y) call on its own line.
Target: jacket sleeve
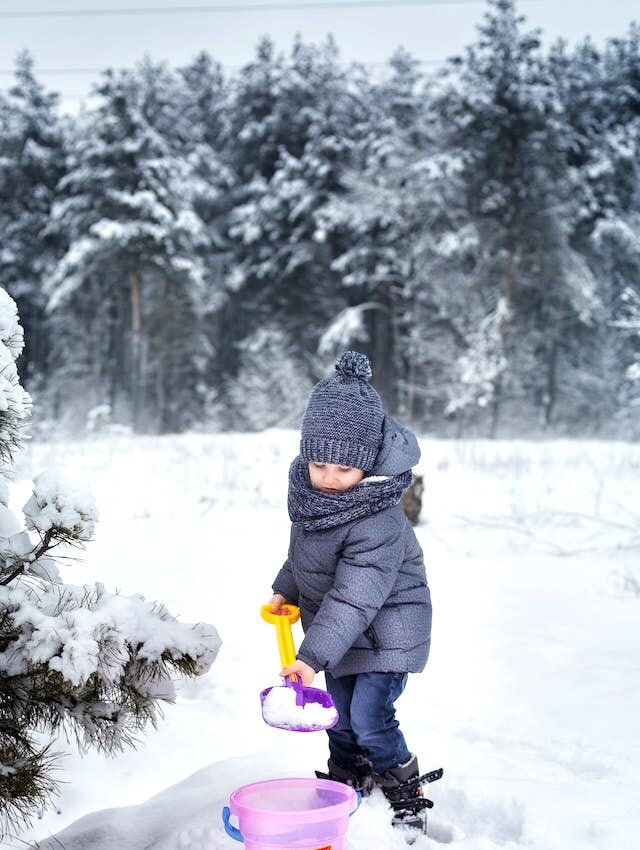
point(285, 583)
point(365, 576)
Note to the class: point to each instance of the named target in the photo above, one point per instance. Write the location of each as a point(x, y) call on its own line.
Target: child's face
point(333, 478)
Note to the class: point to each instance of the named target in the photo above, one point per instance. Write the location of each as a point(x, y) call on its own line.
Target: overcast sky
point(78, 46)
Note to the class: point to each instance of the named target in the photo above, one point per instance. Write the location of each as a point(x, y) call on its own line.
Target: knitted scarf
point(318, 510)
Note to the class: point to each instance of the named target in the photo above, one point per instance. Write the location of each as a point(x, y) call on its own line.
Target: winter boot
point(359, 776)
point(402, 786)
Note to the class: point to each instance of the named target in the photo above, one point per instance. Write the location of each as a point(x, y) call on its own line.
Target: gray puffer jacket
point(361, 586)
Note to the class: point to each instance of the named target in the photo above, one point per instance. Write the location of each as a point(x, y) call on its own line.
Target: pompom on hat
point(343, 420)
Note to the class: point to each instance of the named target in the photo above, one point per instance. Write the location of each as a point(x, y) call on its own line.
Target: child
point(356, 571)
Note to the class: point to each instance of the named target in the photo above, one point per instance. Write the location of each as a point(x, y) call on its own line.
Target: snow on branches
point(61, 507)
point(77, 659)
point(15, 402)
point(481, 366)
point(119, 647)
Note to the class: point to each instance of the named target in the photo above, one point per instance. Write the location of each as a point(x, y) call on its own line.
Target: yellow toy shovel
point(305, 695)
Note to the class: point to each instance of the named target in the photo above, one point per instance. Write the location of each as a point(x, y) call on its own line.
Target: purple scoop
point(304, 696)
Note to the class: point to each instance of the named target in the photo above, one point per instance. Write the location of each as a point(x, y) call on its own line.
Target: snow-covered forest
point(194, 248)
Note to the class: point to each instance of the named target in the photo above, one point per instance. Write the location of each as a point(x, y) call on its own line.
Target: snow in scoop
point(279, 709)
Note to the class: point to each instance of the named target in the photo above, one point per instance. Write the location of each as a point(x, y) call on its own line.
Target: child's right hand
point(277, 601)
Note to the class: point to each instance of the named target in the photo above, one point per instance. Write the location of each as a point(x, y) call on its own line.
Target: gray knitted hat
point(343, 420)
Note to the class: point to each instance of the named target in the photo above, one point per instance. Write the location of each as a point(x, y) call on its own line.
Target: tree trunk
point(509, 279)
point(495, 408)
point(136, 333)
point(395, 371)
point(549, 398)
point(164, 355)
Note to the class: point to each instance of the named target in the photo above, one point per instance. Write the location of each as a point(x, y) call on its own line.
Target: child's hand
point(277, 601)
point(305, 672)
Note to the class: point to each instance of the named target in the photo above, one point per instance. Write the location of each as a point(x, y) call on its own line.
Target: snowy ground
point(531, 696)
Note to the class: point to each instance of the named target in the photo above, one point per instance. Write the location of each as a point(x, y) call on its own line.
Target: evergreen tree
point(214, 184)
point(134, 262)
point(596, 90)
point(617, 247)
point(373, 225)
point(78, 659)
point(31, 164)
point(509, 129)
point(206, 100)
point(293, 122)
point(406, 243)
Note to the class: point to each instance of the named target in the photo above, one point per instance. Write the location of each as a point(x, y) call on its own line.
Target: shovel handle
point(290, 614)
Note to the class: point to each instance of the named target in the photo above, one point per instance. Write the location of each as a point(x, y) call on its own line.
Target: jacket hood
point(399, 450)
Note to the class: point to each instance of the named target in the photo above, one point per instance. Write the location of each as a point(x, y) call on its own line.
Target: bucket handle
point(231, 830)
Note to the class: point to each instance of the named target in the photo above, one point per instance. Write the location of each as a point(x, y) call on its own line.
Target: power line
point(231, 7)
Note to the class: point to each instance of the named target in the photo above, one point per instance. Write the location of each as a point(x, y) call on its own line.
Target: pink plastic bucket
point(291, 814)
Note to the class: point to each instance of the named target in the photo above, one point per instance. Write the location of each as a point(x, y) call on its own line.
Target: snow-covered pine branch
point(15, 402)
point(346, 329)
point(480, 367)
point(77, 659)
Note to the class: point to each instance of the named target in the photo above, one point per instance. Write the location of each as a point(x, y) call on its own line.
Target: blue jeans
point(367, 725)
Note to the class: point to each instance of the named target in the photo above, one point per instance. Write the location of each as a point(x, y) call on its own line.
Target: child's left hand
point(305, 672)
